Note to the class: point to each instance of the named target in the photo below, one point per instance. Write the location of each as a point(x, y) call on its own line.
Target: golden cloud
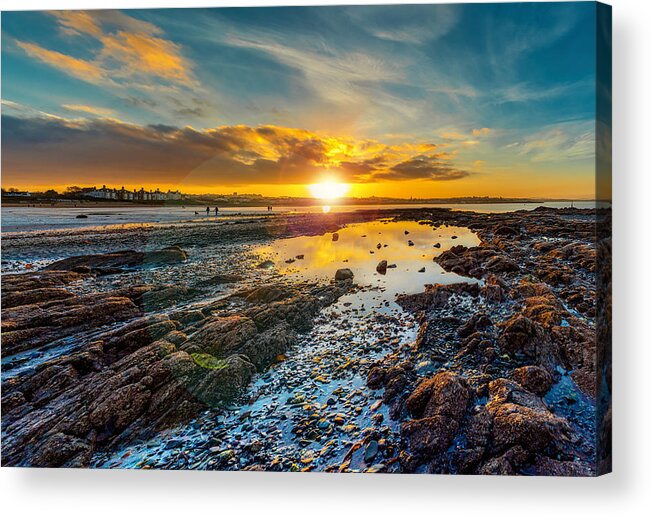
point(79, 68)
point(77, 22)
point(132, 51)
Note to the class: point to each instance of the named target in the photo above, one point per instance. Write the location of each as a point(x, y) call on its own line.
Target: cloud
point(423, 167)
point(80, 68)
point(77, 23)
point(560, 142)
point(85, 150)
point(132, 53)
point(93, 110)
point(415, 24)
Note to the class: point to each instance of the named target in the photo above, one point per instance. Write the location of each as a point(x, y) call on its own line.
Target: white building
point(123, 194)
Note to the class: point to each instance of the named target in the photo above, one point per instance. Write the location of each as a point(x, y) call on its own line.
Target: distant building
point(123, 194)
point(17, 194)
point(101, 193)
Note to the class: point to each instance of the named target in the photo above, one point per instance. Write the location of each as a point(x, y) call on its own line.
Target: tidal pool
point(408, 247)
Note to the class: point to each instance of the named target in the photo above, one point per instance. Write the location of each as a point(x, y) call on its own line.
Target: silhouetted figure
point(216, 210)
point(207, 210)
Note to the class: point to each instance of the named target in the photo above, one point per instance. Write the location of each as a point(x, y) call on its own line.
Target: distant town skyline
point(392, 101)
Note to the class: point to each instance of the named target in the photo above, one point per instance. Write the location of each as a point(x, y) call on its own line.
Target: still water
point(407, 246)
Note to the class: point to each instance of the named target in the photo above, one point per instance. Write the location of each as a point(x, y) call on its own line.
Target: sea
point(25, 219)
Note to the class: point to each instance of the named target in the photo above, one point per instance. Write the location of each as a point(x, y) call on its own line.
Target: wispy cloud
point(560, 142)
point(414, 25)
point(92, 110)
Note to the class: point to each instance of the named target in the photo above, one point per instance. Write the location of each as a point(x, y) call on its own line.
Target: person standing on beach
point(216, 210)
point(207, 210)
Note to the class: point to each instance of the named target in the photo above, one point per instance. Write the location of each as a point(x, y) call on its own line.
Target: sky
point(401, 101)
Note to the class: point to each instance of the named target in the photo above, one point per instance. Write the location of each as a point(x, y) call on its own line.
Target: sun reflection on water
point(407, 246)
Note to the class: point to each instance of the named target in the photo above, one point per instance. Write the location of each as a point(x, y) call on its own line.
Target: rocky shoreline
point(105, 349)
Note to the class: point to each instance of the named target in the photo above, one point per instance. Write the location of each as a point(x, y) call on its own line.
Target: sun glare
point(328, 190)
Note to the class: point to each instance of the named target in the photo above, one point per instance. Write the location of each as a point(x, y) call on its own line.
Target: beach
point(383, 339)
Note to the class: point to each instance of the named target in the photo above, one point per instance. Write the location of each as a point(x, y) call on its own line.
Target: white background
point(626, 491)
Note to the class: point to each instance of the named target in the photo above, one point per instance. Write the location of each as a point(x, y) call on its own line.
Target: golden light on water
point(328, 190)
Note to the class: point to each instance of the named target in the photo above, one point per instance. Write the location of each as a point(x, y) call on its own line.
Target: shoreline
point(287, 203)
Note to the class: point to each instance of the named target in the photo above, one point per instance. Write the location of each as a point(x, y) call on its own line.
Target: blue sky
point(451, 99)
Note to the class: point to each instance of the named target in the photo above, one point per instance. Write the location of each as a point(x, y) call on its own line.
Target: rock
point(81, 216)
point(410, 243)
point(382, 267)
point(436, 296)
point(35, 296)
point(430, 436)
point(335, 237)
point(266, 264)
point(521, 418)
point(222, 336)
point(475, 261)
point(437, 245)
point(20, 283)
point(167, 255)
point(266, 294)
point(422, 269)
point(445, 394)
point(343, 274)
point(505, 231)
point(32, 326)
point(439, 403)
point(534, 379)
point(370, 452)
point(223, 279)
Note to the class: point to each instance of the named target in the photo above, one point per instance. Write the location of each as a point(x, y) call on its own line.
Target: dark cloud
point(423, 167)
point(110, 151)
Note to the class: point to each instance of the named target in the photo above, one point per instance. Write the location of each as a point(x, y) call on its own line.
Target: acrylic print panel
point(346, 239)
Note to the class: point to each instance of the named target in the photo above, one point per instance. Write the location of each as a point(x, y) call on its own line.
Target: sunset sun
point(328, 190)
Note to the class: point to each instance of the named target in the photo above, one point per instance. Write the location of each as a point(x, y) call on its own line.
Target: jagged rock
point(222, 336)
point(534, 379)
point(445, 394)
point(35, 296)
point(439, 404)
point(436, 296)
point(521, 418)
point(18, 283)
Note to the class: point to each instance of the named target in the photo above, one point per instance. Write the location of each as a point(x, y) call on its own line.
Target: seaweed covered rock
point(438, 405)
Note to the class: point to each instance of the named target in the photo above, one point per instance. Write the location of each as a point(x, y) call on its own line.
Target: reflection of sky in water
point(357, 250)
